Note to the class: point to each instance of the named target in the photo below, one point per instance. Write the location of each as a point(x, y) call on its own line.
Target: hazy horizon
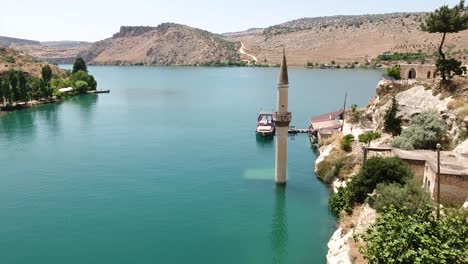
point(52, 20)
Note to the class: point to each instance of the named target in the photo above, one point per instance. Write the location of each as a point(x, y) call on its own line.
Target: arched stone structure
point(411, 74)
point(417, 71)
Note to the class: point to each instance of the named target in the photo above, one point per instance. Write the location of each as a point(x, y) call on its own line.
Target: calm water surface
point(167, 169)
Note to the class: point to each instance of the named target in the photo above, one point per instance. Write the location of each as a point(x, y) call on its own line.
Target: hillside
point(166, 44)
point(51, 51)
point(346, 39)
point(13, 59)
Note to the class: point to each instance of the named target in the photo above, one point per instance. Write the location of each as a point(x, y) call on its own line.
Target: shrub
point(328, 171)
point(346, 142)
point(394, 72)
point(418, 237)
point(368, 137)
point(10, 59)
point(409, 197)
point(374, 171)
point(424, 132)
point(81, 86)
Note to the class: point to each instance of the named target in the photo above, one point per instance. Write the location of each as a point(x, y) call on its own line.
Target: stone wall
point(453, 188)
point(417, 71)
point(417, 168)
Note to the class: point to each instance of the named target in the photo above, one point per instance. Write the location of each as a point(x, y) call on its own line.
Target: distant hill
point(346, 39)
point(51, 51)
point(13, 59)
point(166, 44)
point(343, 39)
point(8, 41)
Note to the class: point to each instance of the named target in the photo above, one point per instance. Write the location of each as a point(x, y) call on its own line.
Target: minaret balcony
point(282, 119)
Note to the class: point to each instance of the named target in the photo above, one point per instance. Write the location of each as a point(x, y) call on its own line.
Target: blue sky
point(93, 20)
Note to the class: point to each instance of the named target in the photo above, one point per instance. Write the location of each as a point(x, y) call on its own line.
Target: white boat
point(265, 124)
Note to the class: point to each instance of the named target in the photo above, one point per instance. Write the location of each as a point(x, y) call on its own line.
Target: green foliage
point(84, 76)
point(46, 74)
point(224, 64)
point(61, 83)
point(424, 132)
point(341, 201)
point(394, 72)
point(408, 198)
point(79, 65)
point(81, 86)
point(392, 122)
point(401, 237)
point(353, 107)
point(368, 137)
point(450, 67)
point(374, 171)
point(447, 20)
point(329, 170)
point(346, 142)
point(405, 56)
point(10, 59)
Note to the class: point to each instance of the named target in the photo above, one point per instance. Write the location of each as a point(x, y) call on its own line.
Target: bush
point(368, 137)
point(346, 142)
point(418, 237)
point(374, 171)
point(81, 86)
point(84, 76)
point(408, 198)
point(394, 72)
point(424, 132)
point(328, 171)
point(10, 59)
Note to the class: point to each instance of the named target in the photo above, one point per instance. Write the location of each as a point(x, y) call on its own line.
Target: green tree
point(6, 91)
point(84, 76)
point(394, 72)
point(392, 122)
point(447, 20)
point(22, 86)
point(79, 65)
point(14, 89)
point(417, 237)
point(81, 86)
point(47, 74)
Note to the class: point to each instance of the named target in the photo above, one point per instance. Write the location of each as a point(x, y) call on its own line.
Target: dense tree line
point(18, 86)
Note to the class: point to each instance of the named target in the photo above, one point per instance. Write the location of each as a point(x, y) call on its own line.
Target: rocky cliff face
point(166, 44)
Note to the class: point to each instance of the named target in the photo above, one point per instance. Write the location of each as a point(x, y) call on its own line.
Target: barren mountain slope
point(166, 44)
point(13, 59)
point(50, 51)
point(346, 39)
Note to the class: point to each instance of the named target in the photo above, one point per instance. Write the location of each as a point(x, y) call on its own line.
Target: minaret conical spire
point(283, 75)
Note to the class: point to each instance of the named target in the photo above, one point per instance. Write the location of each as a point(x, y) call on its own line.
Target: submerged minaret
point(282, 118)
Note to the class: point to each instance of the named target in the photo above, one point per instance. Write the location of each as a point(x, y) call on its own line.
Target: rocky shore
point(343, 246)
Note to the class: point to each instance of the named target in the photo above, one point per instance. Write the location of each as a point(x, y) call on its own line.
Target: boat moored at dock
point(265, 124)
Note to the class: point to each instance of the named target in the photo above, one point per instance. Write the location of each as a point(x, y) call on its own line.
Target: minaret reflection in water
point(279, 226)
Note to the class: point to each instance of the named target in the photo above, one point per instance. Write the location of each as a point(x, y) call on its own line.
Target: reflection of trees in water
point(264, 142)
point(48, 115)
point(279, 227)
point(19, 126)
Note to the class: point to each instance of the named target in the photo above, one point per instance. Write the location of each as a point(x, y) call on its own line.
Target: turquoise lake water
point(167, 169)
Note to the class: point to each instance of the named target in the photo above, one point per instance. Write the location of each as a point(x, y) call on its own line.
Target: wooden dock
point(293, 130)
point(98, 91)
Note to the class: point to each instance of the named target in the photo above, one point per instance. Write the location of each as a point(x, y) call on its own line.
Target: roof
point(450, 162)
point(326, 117)
point(326, 125)
point(283, 74)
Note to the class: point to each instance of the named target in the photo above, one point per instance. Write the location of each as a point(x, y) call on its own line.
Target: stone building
point(417, 71)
